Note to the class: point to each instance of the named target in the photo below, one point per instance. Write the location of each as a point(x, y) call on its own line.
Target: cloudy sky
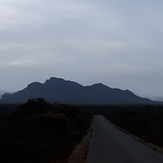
point(116, 42)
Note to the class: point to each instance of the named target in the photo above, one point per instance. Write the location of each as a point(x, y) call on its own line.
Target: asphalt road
point(110, 145)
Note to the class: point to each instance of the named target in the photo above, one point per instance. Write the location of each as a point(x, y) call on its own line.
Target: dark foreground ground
point(39, 132)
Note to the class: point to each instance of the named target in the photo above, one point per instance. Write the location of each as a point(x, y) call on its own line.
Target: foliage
point(144, 121)
point(41, 132)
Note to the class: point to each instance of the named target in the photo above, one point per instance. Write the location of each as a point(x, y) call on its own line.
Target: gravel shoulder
point(80, 152)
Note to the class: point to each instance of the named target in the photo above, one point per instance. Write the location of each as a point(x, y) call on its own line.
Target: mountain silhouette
point(2, 92)
point(69, 92)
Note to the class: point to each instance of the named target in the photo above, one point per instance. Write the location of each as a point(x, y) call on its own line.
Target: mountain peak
point(54, 79)
point(34, 83)
point(99, 85)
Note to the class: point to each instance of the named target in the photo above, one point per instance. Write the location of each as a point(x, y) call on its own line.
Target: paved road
point(110, 145)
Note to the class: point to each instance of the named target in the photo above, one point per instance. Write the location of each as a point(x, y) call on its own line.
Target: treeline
point(39, 132)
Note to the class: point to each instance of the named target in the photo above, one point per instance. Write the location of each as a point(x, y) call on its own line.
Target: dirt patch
point(80, 153)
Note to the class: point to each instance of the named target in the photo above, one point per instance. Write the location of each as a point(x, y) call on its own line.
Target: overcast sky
point(116, 42)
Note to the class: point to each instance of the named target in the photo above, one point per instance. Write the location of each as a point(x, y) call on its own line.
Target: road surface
point(110, 145)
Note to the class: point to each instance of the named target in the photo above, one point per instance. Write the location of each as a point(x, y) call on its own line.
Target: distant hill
point(69, 92)
point(1, 93)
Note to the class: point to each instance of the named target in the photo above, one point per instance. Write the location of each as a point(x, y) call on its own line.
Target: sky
point(114, 42)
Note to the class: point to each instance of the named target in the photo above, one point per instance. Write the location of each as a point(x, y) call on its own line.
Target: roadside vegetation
point(39, 132)
point(145, 121)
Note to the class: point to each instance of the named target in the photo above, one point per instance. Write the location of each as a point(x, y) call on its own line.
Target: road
point(110, 145)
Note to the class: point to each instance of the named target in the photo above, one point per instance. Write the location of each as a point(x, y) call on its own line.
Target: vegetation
point(41, 132)
point(145, 121)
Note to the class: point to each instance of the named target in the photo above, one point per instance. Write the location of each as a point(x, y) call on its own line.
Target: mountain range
point(69, 92)
point(1, 93)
